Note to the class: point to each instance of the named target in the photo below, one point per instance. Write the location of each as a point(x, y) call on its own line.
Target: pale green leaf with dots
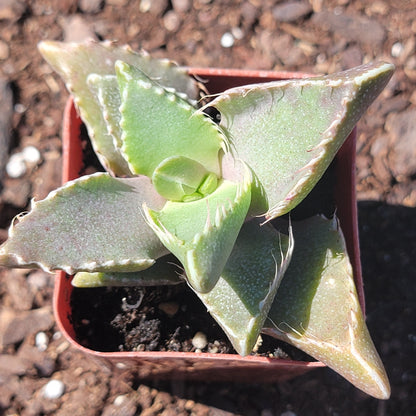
point(165, 271)
point(74, 62)
point(91, 224)
point(317, 309)
point(158, 124)
point(201, 233)
point(241, 299)
point(288, 132)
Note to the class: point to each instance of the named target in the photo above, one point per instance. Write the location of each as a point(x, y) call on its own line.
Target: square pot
point(208, 366)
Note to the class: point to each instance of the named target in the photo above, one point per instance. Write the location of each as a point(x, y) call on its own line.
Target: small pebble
point(213, 350)
point(57, 335)
point(227, 40)
point(31, 154)
point(397, 49)
point(54, 389)
point(16, 166)
point(19, 108)
point(199, 341)
point(237, 33)
point(170, 308)
point(171, 21)
point(119, 400)
point(181, 6)
point(41, 341)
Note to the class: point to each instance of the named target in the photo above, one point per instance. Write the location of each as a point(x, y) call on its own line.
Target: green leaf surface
point(316, 307)
point(74, 62)
point(94, 223)
point(242, 297)
point(163, 272)
point(201, 233)
point(158, 124)
point(289, 131)
point(177, 177)
point(107, 94)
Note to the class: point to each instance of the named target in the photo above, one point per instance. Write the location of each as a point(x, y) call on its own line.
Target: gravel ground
point(40, 374)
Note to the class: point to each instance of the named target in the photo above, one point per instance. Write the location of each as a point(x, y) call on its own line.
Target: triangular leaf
point(317, 310)
point(242, 297)
point(158, 124)
point(75, 61)
point(201, 233)
point(92, 224)
point(163, 272)
point(289, 131)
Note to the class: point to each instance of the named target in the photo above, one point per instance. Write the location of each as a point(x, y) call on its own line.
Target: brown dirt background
point(318, 37)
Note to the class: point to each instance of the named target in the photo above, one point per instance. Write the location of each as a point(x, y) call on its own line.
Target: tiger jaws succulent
point(203, 191)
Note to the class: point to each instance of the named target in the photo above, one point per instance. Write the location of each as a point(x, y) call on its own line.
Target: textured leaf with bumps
point(177, 130)
point(74, 62)
point(288, 132)
point(243, 295)
point(317, 309)
point(202, 233)
point(91, 224)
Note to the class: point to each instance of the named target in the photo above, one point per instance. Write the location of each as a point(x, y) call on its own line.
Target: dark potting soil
point(160, 318)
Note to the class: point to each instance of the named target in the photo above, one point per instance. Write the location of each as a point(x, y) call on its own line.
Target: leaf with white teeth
point(74, 62)
point(163, 272)
point(316, 308)
point(289, 131)
point(158, 124)
point(241, 299)
point(91, 224)
point(105, 89)
point(201, 233)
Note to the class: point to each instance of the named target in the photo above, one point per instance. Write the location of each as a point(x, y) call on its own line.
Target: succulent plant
point(206, 190)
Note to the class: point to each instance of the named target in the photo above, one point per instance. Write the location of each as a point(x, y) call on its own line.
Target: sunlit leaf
point(158, 124)
point(241, 299)
point(164, 272)
point(201, 233)
point(91, 224)
point(317, 310)
point(74, 62)
point(289, 131)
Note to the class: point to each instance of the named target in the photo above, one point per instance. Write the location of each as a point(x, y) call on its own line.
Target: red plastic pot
point(207, 366)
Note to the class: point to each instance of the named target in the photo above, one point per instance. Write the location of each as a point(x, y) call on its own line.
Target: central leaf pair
point(179, 150)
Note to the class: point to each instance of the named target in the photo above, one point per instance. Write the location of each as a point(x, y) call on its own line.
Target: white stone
point(16, 166)
point(119, 400)
point(31, 154)
point(397, 49)
point(54, 389)
point(41, 341)
point(199, 341)
point(227, 40)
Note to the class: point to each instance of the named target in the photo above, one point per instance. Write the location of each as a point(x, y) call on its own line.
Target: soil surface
point(315, 36)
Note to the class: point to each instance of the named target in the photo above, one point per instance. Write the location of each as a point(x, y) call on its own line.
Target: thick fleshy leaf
point(179, 177)
point(163, 272)
point(242, 297)
point(317, 310)
point(158, 124)
point(75, 61)
point(289, 131)
point(94, 223)
point(201, 233)
point(107, 94)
